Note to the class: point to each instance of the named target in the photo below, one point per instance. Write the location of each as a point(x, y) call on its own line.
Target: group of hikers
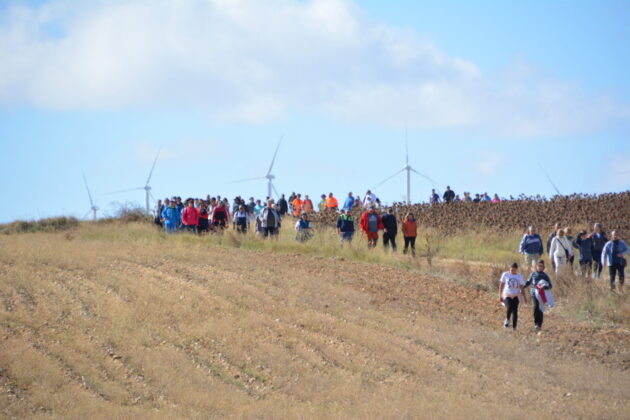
point(595, 251)
point(214, 214)
point(449, 196)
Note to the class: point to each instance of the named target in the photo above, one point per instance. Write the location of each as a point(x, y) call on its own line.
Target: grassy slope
point(120, 321)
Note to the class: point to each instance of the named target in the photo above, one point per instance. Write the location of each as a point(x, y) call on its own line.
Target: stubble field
point(118, 321)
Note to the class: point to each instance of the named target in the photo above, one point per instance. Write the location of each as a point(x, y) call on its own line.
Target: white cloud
point(488, 163)
point(253, 61)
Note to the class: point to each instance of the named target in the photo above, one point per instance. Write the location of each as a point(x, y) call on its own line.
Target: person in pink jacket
point(190, 216)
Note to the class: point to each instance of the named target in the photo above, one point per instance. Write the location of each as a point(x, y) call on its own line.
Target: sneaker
point(514, 329)
point(537, 328)
point(505, 323)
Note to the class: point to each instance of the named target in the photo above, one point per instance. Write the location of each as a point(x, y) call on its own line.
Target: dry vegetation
point(612, 210)
point(119, 321)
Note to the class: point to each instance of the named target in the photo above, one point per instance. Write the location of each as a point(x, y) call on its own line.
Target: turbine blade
point(122, 191)
point(274, 155)
point(88, 212)
point(549, 179)
point(387, 179)
point(623, 173)
point(87, 188)
point(153, 167)
point(248, 179)
point(423, 175)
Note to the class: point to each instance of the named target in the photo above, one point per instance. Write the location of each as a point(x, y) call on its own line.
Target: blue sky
point(485, 90)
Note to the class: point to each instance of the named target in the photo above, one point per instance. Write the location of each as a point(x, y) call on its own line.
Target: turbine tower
point(146, 188)
point(269, 176)
point(408, 169)
point(93, 208)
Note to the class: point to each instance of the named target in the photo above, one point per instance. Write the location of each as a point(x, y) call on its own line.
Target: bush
point(51, 224)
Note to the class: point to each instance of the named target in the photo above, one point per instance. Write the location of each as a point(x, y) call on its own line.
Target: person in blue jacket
point(349, 203)
point(531, 247)
point(171, 217)
point(613, 256)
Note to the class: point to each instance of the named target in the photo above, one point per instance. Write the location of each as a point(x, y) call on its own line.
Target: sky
point(485, 93)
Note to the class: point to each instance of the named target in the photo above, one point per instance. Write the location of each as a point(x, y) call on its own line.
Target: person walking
point(171, 217)
point(190, 216)
point(560, 251)
point(449, 195)
point(303, 228)
point(599, 240)
point(345, 226)
point(204, 224)
point(269, 220)
point(369, 199)
point(349, 203)
point(434, 198)
point(220, 217)
point(283, 206)
point(241, 219)
point(410, 231)
point(552, 235)
point(307, 205)
point(297, 205)
point(613, 257)
point(531, 247)
point(510, 289)
point(157, 212)
point(370, 224)
point(390, 229)
point(538, 280)
point(568, 233)
point(584, 242)
point(331, 203)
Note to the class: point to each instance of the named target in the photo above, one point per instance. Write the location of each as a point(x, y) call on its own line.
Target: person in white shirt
point(509, 291)
point(560, 251)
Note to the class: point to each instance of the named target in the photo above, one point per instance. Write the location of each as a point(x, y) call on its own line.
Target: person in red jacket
point(371, 223)
point(190, 216)
point(220, 216)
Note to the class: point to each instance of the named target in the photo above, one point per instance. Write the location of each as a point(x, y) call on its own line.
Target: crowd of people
point(595, 249)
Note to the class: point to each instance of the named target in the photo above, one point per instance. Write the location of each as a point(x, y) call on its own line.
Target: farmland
point(119, 321)
point(577, 211)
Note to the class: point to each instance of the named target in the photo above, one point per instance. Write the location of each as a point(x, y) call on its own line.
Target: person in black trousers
point(390, 229)
point(538, 278)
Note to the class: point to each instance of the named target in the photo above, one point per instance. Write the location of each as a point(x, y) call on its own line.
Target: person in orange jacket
point(297, 205)
point(331, 203)
point(410, 231)
point(307, 205)
point(371, 223)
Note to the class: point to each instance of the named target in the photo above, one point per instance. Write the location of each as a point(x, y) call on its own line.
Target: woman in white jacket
point(560, 251)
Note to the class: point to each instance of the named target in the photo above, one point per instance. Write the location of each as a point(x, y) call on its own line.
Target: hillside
point(119, 321)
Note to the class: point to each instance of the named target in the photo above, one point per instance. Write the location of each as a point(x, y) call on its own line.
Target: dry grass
point(119, 321)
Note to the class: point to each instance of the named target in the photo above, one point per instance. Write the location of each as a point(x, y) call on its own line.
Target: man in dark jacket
point(599, 240)
point(390, 229)
point(283, 206)
point(541, 279)
point(345, 226)
point(449, 195)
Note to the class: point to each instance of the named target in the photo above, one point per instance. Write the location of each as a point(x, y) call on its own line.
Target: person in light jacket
point(613, 257)
point(269, 220)
point(560, 251)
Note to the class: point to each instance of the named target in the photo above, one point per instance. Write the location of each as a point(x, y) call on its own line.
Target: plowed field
point(94, 326)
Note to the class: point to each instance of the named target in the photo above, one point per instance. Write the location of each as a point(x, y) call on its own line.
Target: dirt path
point(110, 329)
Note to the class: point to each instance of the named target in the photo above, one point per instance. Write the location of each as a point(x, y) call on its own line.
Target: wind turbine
point(407, 168)
point(269, 177)
point(147, 187)
point(93, 208)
